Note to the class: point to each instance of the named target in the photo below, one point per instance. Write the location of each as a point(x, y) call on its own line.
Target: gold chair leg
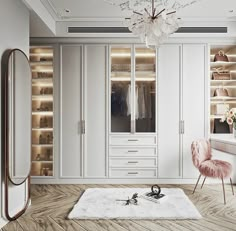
point(223, 190)
point(196, 183)
point(203, 182)
point(232, 186)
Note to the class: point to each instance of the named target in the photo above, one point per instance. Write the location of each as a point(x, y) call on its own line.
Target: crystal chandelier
point(152, 20)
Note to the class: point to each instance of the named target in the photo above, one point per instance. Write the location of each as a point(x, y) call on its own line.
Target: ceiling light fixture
point(152, 20)
point(67, 11)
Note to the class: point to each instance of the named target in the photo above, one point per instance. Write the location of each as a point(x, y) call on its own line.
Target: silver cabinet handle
point(134, 151)
point(132, 173)
point(181, 126)
point(132, 140)
point(132, 162)
point(83, 126)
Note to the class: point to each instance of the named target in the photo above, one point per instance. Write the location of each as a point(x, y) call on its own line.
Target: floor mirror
point(16, 130)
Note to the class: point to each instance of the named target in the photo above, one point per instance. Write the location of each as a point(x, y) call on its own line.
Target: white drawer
point(133, 140)
point(224, 147)
point(133, 151)
point(133, 162)
point(133, 173)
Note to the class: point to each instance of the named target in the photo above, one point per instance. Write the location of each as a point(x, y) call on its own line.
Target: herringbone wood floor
point(52, 203)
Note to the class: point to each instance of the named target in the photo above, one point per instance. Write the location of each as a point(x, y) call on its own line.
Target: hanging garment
point(128, 100)
point(118, 100)
point(141, 102)
point(136, 102)
point(147, 99)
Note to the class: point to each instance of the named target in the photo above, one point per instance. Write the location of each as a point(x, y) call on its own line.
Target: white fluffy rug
point(101, 203)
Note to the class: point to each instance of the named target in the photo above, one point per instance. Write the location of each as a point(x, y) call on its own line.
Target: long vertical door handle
point(82, 126)
point(182, 126)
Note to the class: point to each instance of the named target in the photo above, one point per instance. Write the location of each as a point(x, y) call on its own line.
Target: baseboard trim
point(3, 222)
point(124, 181)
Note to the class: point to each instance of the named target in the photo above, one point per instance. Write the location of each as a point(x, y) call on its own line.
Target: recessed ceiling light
point(67, 11)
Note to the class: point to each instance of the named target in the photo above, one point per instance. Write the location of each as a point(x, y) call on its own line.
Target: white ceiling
point(51, 16)
point(99, 9)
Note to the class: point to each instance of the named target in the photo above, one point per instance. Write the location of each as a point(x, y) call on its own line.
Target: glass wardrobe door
point(145, 90)
point(120, 89)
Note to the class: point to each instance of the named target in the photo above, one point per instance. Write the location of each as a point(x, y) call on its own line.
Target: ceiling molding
point(52, 9)
point(60, 16)
point(42, 13)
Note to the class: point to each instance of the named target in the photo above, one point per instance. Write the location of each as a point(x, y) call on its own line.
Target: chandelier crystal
point(152, 20)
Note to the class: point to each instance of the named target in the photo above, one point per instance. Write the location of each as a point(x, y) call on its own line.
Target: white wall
point(14, 24)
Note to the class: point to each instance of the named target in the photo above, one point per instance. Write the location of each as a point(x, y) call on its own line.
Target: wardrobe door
point(95, 78)
point(70, 111)
point(169, 111)
point(193, 102)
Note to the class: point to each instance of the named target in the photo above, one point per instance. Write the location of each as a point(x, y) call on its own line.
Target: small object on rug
point(101, 203)
point(132, 201)
point(155, 195)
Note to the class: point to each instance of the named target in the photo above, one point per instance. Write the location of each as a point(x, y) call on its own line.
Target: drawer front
point(223, 147)
point(133, 151)
point(133, 140)
point(133, 173)
point(133, 162)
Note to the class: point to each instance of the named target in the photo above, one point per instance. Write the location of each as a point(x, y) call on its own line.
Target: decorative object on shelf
point(152, 20)
point(220, 74)
point(121, 67)
point(221, 92)
point(44, 171)
point(132, 201)
point(230, 117)
point(38, 157)
point(221, 108)
point(41, 139)
point(49, 154)
point(44, 75)
point(221, 57)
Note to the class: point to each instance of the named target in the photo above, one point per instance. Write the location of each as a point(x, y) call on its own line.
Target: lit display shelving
point(219, 104)
point(41, 61)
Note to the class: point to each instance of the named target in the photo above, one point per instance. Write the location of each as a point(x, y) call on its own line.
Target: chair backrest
point(201, 151)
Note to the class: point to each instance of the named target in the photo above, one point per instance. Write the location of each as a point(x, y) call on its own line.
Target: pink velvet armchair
point(201, 156)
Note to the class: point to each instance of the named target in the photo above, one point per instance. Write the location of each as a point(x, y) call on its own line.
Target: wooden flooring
point(52, 203)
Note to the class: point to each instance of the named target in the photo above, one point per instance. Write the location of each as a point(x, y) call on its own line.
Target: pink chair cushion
point(201, 151)
point(215, 168)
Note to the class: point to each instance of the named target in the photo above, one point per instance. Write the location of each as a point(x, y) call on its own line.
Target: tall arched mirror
point(16, 87)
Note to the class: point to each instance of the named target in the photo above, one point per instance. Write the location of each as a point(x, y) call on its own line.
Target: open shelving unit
point(41, 61)
point(220, 104)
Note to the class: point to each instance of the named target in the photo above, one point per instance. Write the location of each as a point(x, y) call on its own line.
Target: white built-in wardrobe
point(94, 143)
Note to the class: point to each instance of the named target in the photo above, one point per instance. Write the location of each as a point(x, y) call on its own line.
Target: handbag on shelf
point(220, 92)
point(220, 74)
point(220, 127)
point(221, 57)
point(223, 75)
